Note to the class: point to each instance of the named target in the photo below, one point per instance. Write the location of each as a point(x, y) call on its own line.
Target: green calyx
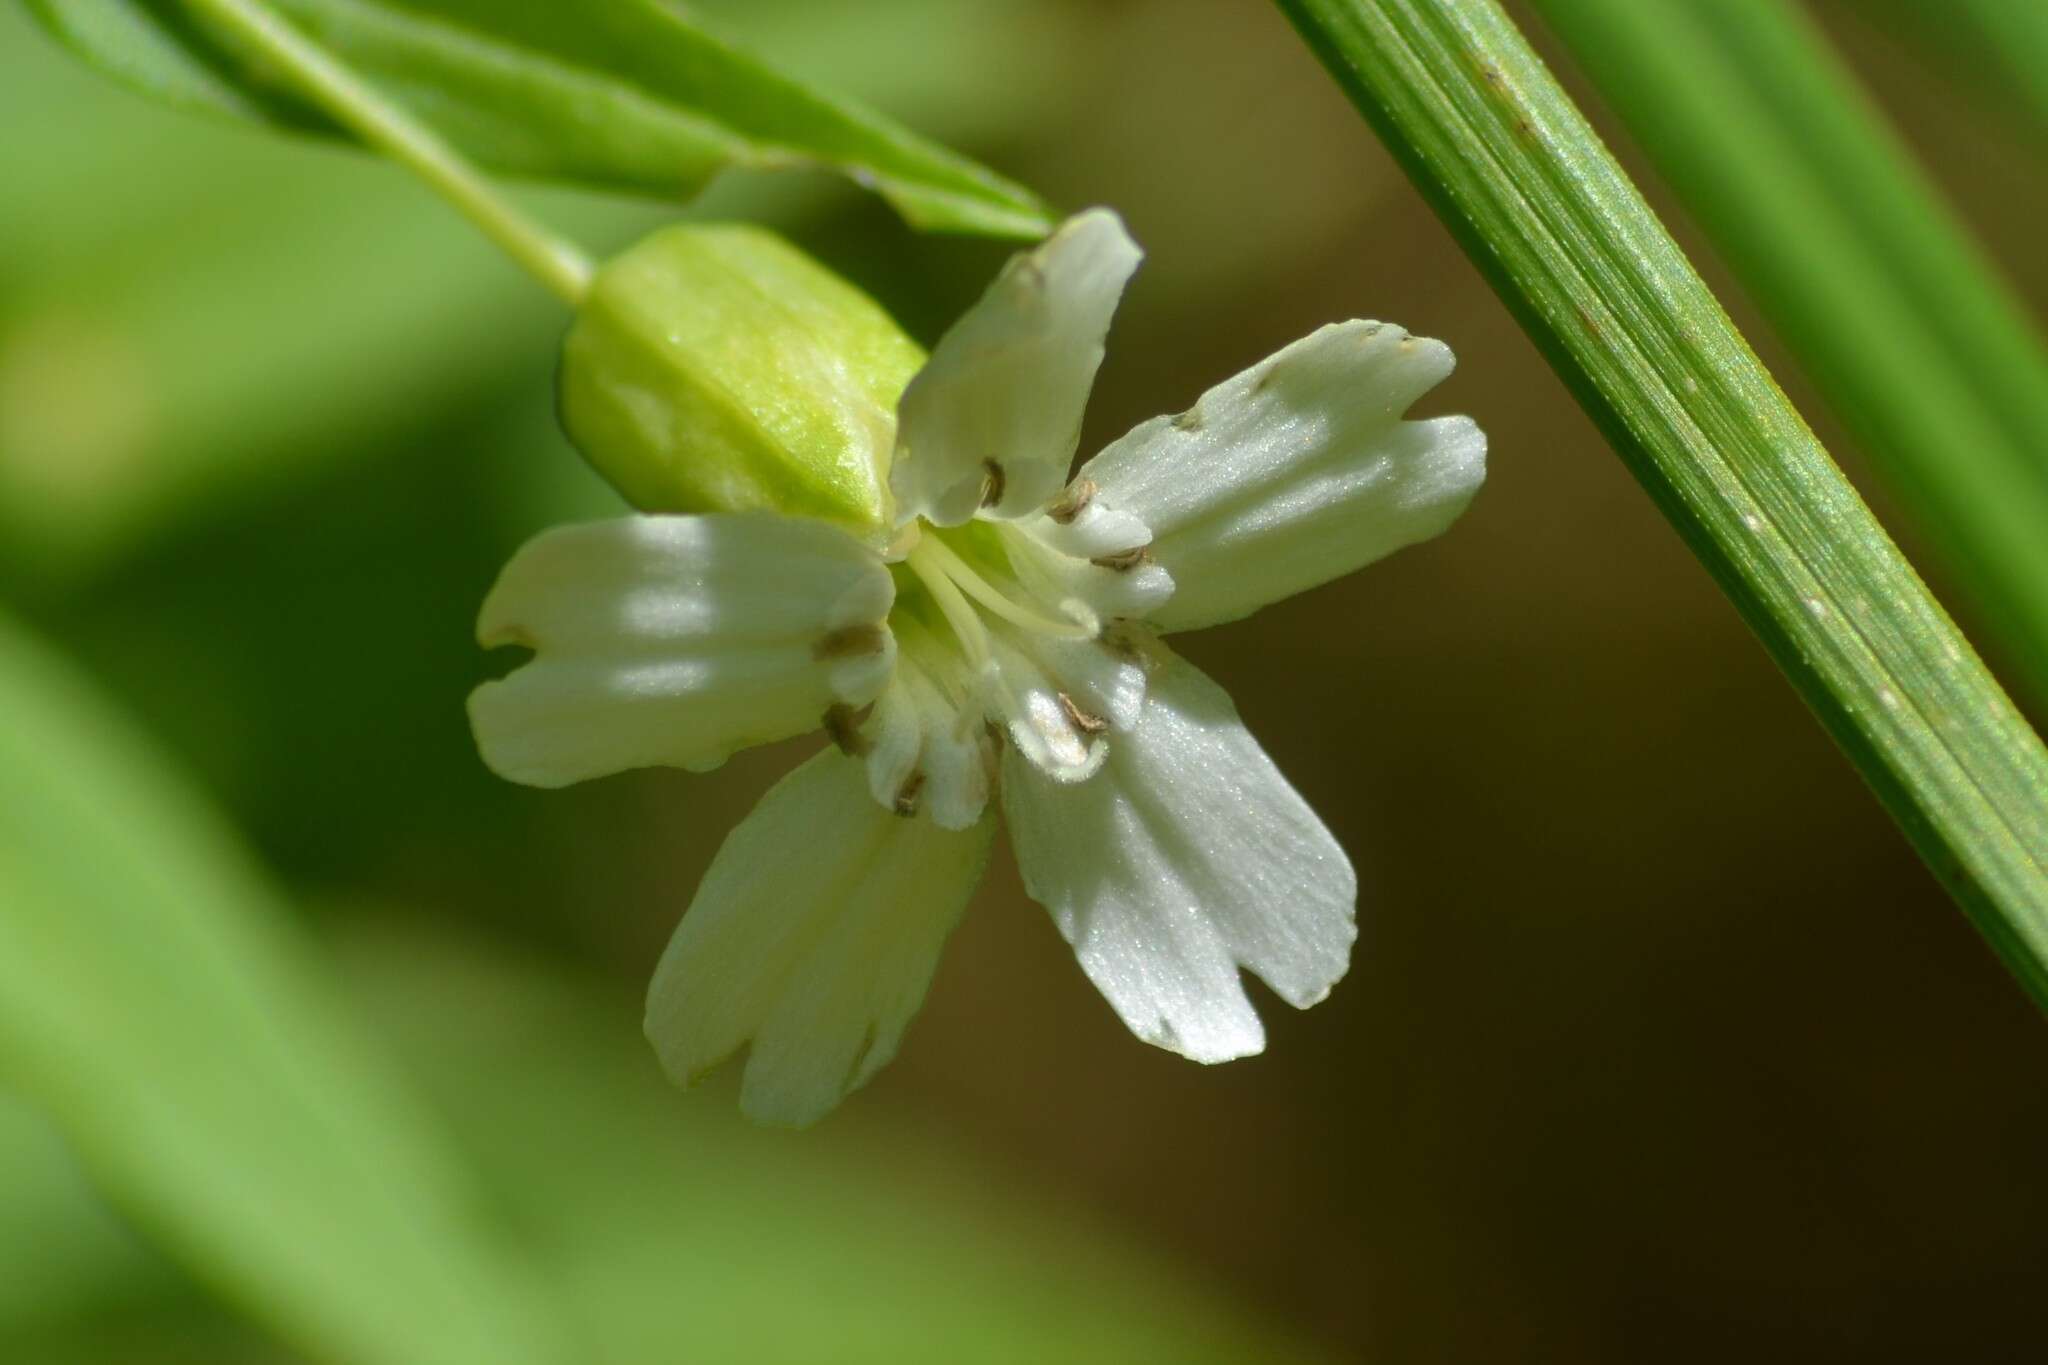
point(719, 369)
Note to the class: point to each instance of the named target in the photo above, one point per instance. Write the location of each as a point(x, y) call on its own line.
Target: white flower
point(1002, 635)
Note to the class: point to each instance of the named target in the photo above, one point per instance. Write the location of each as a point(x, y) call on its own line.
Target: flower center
point(1001, 641)
point(952, 581)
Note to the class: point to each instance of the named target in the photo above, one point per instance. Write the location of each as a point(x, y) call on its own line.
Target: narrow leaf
point(2000, 47)
point(154, 1002)
point(1517, 173)
point(1846, 247)
point(621, 94)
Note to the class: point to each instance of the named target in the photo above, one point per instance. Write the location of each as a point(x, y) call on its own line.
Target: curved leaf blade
point(154, 1003)
point(627, 95)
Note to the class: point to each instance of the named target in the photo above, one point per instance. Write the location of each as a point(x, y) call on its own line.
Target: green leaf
point(679, 1232)
point(154, 1001)
point(2000, 47)
point(1515, 170)
point(1846, 247)
point(65, 1252)
point(622, 94)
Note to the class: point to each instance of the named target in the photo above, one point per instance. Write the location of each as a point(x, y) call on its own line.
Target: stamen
point(1072, 502)
point(951, 565)
point(865, 638)
point(907, 795)
point(843, 723)
point(930, 569)
point(1086, 722)
point(1123, 561)
point(993, 482)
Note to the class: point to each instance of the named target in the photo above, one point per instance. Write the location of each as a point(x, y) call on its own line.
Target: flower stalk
point(314, 73)
point(1517, 173)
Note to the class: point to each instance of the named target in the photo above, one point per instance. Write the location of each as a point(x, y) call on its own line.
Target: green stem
point(384, 126)
point(1515, 171)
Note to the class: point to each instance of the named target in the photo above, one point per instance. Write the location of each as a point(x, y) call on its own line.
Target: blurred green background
point(1659, 1043)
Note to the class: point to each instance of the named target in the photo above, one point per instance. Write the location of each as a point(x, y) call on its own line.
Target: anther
point(1086, 722)
point(907, 795)
point(868, 637)
point(1123, 561)
point(993, 482)
point(1072, 502)
point(843, 723)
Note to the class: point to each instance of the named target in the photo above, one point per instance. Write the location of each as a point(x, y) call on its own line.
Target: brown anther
point(909, 792)
point(1191, 420)
point(1085, 722)
point(1072, 501)
point(1123, 561)
point(868, 637)
point(993, 481)
point(843, 724)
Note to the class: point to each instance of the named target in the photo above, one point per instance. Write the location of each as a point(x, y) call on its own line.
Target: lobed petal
point(1295, 472)
point(813, 938)
point(675, 640)
point(990, 424)
point(926, 751)
point(1187, 857)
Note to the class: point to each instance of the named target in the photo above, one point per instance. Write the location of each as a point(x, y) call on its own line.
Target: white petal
point(1102, 678)
point(676, 640)
point(1085, 529)
point(1187, 857)
point(813, 937)
point(1295, 472)
point(994, 416)
point(1042, 725)
point(1054, 565)
point(926, 751)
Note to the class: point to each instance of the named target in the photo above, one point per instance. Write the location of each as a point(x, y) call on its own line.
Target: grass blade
point(1516, 172)
point(2001, 43)
point(1846, 247)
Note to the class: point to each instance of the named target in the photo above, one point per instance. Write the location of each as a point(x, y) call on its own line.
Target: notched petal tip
point(810, 943)
point(989, 425)
point(672, 641)
point(1188, 861)
point(1209, 1048)
point(1295, 471)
